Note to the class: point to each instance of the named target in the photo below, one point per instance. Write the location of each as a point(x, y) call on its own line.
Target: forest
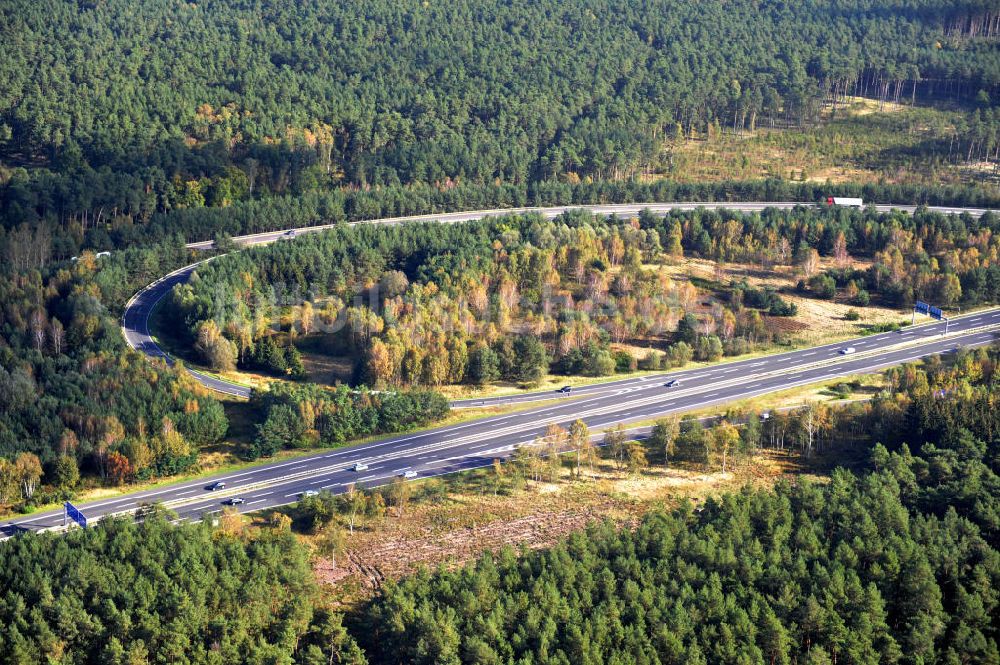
point(126, 593)
point(516, 297)
point(899, 564)
point(81, 410)
point(76, 402)
point(896, 561)
point(130, 127)
point(222, 110)
point(307, 416)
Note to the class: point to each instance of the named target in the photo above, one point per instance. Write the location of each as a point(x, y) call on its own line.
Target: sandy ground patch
point(467, 524)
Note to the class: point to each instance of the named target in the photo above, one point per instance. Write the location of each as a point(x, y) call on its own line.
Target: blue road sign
point(74, 514)
point(936, 313)
point(921, 307)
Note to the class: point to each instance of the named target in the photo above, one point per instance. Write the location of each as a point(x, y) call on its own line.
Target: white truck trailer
point(844, 201)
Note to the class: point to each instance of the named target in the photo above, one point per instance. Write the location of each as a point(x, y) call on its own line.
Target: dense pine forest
point(896, 565)
point(156, 593)
point(897, 562)
point(161, 106)
point(135, 126)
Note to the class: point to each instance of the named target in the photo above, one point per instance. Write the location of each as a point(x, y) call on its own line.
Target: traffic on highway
point(444, 450)
point(135, 319)
point(477, 443)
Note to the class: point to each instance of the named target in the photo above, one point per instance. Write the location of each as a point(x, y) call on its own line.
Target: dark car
point(235, 501)
point(218, 485)
point(565, 389)
point(671, 383)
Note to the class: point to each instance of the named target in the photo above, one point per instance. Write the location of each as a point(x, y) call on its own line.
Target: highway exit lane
point(135, 320)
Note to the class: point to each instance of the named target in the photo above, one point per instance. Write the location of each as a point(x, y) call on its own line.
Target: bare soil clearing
point(466, 524)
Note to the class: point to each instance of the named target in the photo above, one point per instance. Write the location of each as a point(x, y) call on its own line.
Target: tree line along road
point(473, 444)
point(135, 319)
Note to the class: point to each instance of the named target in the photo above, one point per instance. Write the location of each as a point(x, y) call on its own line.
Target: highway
point(135, 319)
point(620, 209)
point(442, 450)
point(135, 327)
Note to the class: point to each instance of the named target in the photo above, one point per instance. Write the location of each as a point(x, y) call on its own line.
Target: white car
point(360, 466)
point(409, 473)
point(847, 350)
point(309, 493)
point(236, 501)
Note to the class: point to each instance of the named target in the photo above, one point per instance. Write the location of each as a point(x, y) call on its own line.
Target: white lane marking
point(250, 503)
point(975, 319)
point(811, 353)
point(376, 478)
point(981, 337)
point(114, 502)
point(186, 493)
point(317, 482)
point(300, 466)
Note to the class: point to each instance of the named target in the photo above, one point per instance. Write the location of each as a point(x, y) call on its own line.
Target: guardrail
point(598, 411)
point(901, 343)
point(345, 464)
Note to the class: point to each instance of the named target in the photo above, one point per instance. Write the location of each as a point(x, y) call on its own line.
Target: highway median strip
point(715, 387)
point(598, 411)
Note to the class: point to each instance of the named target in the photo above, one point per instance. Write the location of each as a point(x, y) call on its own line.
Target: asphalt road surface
point(135, 320)
point(620, 209)
point(477, 443)
point(135, 327)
